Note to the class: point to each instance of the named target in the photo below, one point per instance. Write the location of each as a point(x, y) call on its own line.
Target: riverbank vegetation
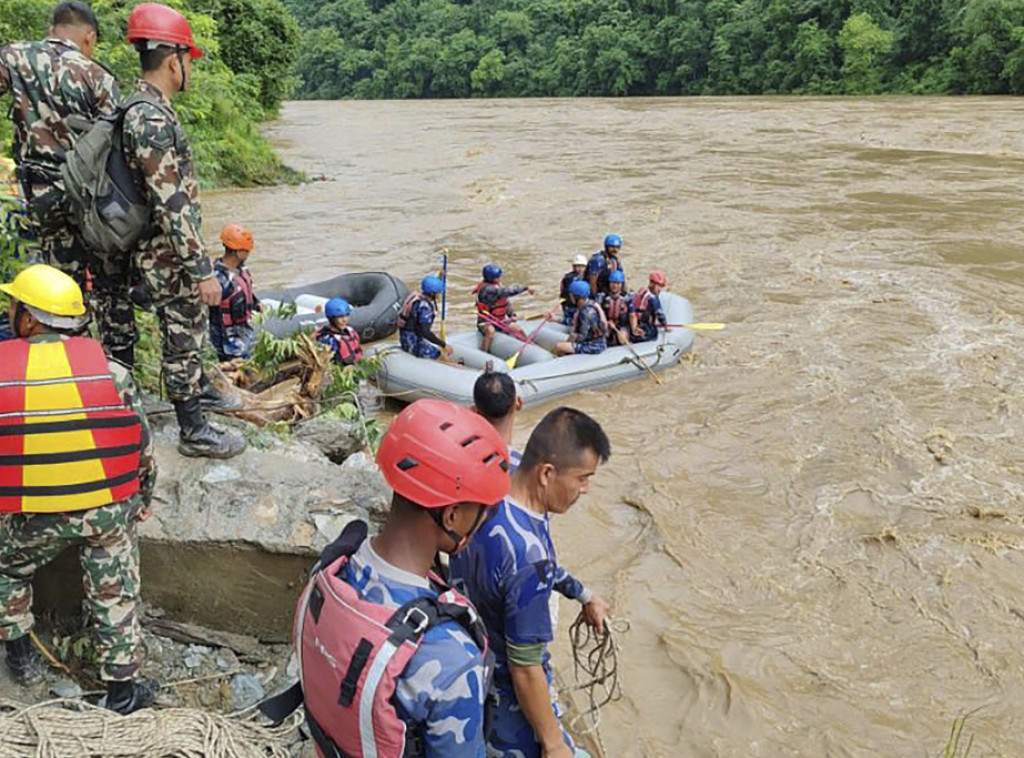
point(522, 48)
point(250, 48)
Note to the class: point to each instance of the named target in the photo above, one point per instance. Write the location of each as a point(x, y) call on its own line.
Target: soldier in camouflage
point(177, 273)
point(57, 93)
point(105, 534)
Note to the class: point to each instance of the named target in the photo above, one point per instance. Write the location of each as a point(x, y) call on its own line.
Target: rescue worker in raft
point(589, 335)
point(617, 306)
point(336, 334)
point(495, 398)
point(510, 571)
point(494, 311)
point(447, 468)
point(578, 274)
point(78, 470)
point(648, 315)
point(603, 262)
point(416, 317)
point(231, 330)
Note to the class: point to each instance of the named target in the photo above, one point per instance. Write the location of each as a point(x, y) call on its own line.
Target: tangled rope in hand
point(595, 657)
point(74, 729)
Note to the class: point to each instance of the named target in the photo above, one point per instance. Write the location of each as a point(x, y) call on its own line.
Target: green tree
point(866, 48)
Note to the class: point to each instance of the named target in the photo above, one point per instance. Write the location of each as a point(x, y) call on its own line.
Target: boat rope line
point(595, 668)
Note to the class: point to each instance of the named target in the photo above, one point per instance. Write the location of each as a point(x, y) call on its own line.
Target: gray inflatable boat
point(375, 297)
point(539, 376)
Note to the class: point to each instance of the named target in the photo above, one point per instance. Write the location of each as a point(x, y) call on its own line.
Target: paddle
point(513, 331)
point(515, 357)
point(699, 327)
point(444, 294)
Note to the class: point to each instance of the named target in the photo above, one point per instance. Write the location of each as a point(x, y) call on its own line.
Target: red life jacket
point(500, 309)
point(236, 307)
point(641, 300)
point(406, 310)
point(67, 441)
point(351, 653)
point(599, 332)
point(616, 308)
point(345, 343)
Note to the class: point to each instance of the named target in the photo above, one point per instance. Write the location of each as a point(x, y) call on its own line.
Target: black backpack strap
point(282, 705)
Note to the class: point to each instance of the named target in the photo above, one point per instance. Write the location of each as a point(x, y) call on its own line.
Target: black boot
point(128, 697)
point(199, 438)
point(213, 399)
point(23, 661)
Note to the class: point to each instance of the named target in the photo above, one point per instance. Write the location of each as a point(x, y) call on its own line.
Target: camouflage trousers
point(109, 554)
point(183, 322)
point(109, 301)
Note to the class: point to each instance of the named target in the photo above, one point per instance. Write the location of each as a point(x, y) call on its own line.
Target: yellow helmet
point(46, 289)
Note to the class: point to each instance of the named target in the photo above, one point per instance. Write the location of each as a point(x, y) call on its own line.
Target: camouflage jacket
point(53, 88)
point(132, 399)
point(158, 152)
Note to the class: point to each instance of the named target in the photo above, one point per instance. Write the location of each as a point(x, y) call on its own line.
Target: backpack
point(107, 204)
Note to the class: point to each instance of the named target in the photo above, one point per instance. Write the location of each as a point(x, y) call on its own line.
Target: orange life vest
point(499, 309)
point(67, 441)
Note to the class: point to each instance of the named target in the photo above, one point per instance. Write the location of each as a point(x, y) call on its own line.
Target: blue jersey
point(509, 570)
point(441, 692)
point(601, 264)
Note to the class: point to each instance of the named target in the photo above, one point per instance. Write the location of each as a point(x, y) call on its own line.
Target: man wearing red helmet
point(648, 315)
point(173, 266)
point(447, 467)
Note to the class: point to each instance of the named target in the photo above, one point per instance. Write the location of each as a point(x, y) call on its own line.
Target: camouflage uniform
point(108, 551)
point(172, 263)
point(57, 91)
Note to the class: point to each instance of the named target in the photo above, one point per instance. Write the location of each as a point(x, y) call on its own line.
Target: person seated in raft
point(231, 331)
point(341, 338)
point(589, 327)
point(416, 317)
point(648, 314)
point(492, 305)
point(578, 274)
point(617, 306)
point(603, 262)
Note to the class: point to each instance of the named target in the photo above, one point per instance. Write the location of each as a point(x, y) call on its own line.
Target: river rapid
point(816, 525)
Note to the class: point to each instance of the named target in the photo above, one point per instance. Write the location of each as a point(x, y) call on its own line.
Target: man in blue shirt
point(416, 317)
point(447, 467)
point(510, 570)
point(603, 262)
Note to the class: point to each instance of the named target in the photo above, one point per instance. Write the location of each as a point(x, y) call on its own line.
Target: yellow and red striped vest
point(67, 441)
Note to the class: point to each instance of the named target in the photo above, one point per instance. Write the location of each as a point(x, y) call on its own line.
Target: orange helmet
point(657, 277)
point(236, 237)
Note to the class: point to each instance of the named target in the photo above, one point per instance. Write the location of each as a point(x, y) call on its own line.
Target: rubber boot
point(128, 697)
point(23, 661)
point(213, 399)
point(199, 438)
point(125, 356)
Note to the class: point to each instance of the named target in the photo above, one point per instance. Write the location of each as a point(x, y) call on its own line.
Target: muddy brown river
point(816, 526)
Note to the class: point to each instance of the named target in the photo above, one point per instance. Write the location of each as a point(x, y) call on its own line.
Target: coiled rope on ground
point(74, 729)
point(595, 664)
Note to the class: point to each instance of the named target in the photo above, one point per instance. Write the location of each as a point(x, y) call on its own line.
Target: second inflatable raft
point(539, 376)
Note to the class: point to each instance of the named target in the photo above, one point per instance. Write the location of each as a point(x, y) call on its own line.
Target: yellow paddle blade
point(512, 361)
point(704, 327)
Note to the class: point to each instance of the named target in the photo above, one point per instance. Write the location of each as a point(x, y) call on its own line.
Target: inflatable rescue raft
point(539, 375)
point(375, 297)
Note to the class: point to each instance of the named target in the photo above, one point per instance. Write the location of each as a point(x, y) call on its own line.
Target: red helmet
point(658, 277)
point(236, 237)
point(437, 454)
point(156, 22)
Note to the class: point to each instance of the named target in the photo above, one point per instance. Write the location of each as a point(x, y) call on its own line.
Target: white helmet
point(579, 260)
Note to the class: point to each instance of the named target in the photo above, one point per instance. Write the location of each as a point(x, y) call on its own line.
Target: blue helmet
point(617, 276)
point(492, 272)
point(337, 306)
point(432, 285)
point(613, 240)
point(579, 289)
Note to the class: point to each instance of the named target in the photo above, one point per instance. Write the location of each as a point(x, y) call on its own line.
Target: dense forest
point(250, 47)
point(518, 48)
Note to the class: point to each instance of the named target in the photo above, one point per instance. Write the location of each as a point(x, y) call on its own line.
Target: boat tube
point(375, 297)
point(539, 375)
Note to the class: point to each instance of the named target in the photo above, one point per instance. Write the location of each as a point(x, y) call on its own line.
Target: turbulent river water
point(816, 526)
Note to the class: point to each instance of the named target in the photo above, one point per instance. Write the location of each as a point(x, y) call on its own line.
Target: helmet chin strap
point(460, 540)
